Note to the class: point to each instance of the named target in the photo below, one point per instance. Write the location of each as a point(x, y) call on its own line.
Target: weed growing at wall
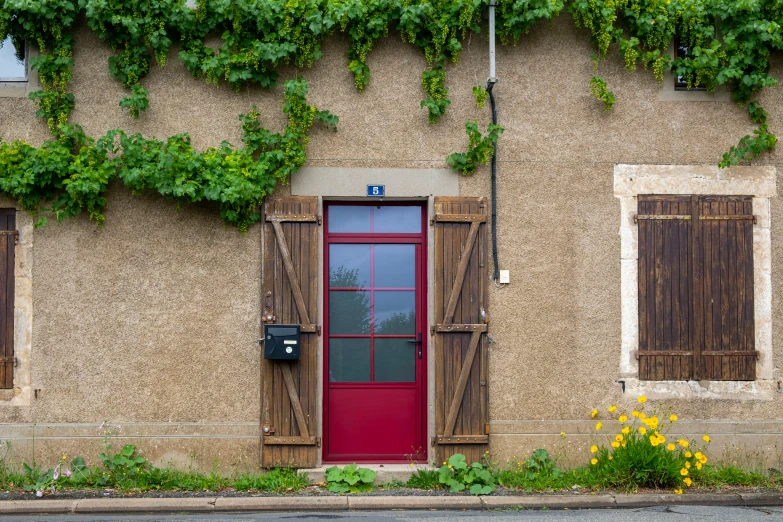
point(480, 148)
point(73, 172)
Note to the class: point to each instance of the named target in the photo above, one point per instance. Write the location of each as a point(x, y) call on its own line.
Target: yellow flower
point(654, 441)
point(642, 416)
point(593, 414)
point(618, 438)
point(687, 464)
point(706, 438)
point(612, 408)
point(672, 418)
point(670, 447)
point(703, 459)
point(412, 464)
point(652, 422)
point(444, 463)
point(661, 439)
point(593, 448)
point(642, 430)
point(687, 481)
point(684, 472)
point(594, 461)
point(598, 426)
point(683, 443)
point(678, 491)
point(623, 418)
point(698, 455)
point(627, 430)
point(562, 434)
point(642, 399)
point(698, 465)
point(611, 458)
point(634, 413)
point(450, 467)
point(688, 454)
point(615, 444)
point(65, 457)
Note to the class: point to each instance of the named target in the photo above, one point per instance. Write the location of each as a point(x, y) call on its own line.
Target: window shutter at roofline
point(696, 317)
point(7, 261)
point(289, 388)
point(461, 352)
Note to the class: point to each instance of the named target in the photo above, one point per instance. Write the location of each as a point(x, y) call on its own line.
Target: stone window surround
point(759, 182)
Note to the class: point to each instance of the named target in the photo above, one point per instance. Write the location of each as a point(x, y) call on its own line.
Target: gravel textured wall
point(150, 322)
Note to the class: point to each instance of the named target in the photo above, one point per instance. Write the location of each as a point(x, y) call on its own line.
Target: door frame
point(423, 240)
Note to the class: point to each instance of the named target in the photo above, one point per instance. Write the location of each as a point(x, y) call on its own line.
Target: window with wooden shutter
point(7, 241)
point(696, 288)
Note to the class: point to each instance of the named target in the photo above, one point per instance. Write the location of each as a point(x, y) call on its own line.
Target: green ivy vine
point(72, 173)
point(480, 148)
point(242, 42)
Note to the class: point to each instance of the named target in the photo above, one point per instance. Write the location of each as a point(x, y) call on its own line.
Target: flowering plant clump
point(641, 455)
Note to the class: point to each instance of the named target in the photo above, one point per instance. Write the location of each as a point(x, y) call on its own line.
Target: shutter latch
point(269, 430)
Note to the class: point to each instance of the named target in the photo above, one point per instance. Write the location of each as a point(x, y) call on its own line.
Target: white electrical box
point(505, 278)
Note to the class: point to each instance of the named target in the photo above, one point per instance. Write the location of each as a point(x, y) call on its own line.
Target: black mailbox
point(281, 341)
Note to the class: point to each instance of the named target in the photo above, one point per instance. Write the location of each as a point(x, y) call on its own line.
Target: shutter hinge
point(269, 430)
point(432, 222)
point(318, 442)
point(318, 330)
point(432, 330)
point(14, 233)
point(320, 221)
point(434, 441)
point(486, 428)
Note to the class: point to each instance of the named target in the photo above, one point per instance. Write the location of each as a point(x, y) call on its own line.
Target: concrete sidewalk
point(359, 502)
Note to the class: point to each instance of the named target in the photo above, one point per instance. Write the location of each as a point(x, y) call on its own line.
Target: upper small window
point(680, 82)
point(13, 62)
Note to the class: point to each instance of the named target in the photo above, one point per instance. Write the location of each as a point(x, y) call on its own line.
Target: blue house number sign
point(376, 191)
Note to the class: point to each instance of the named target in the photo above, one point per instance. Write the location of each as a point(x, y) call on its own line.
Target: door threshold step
point(385, 472)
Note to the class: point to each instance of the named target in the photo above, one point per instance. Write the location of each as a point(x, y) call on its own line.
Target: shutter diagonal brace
point(285, 368)
point(292, 279)
point(461, 383)
point(461, 271)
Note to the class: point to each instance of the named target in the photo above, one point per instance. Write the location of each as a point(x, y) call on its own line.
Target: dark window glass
point(395, 360)
point(397, 219)
point(349, 360)
point(680, 83)
point(349, 219)
point(12, 62)
point(395, 266)
point(349, 312)
point(349, 266)
point(395, 313)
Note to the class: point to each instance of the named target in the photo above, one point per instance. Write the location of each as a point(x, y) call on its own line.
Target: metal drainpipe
point(491, 81)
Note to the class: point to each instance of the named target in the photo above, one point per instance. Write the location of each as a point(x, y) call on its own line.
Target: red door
point(374, 342)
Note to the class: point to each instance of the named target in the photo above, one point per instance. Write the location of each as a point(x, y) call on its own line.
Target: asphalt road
point(652, 514)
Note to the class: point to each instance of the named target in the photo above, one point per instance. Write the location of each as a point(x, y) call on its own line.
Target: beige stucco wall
point(150, 322)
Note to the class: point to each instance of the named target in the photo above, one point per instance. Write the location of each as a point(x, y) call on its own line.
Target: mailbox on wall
point(281, 341)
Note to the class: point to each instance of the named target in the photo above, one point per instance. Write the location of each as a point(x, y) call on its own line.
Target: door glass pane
point(395, 360)
point(349, 266)
point(12, 65)
point(349, 219)
point(397, 219)
point(395, 312)
point(349, 312)
point(395, 266)
point(349, 360)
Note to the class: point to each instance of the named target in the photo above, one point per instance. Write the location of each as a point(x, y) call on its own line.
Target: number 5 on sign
point(377, 191)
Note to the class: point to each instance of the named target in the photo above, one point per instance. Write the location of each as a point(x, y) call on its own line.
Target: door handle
point(418, 342)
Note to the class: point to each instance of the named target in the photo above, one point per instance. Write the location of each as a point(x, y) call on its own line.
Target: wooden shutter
point(461, 358)
point(664, 288)
point(8, 235)
point(725, 292)
point(289, 388)
point(696, 316)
